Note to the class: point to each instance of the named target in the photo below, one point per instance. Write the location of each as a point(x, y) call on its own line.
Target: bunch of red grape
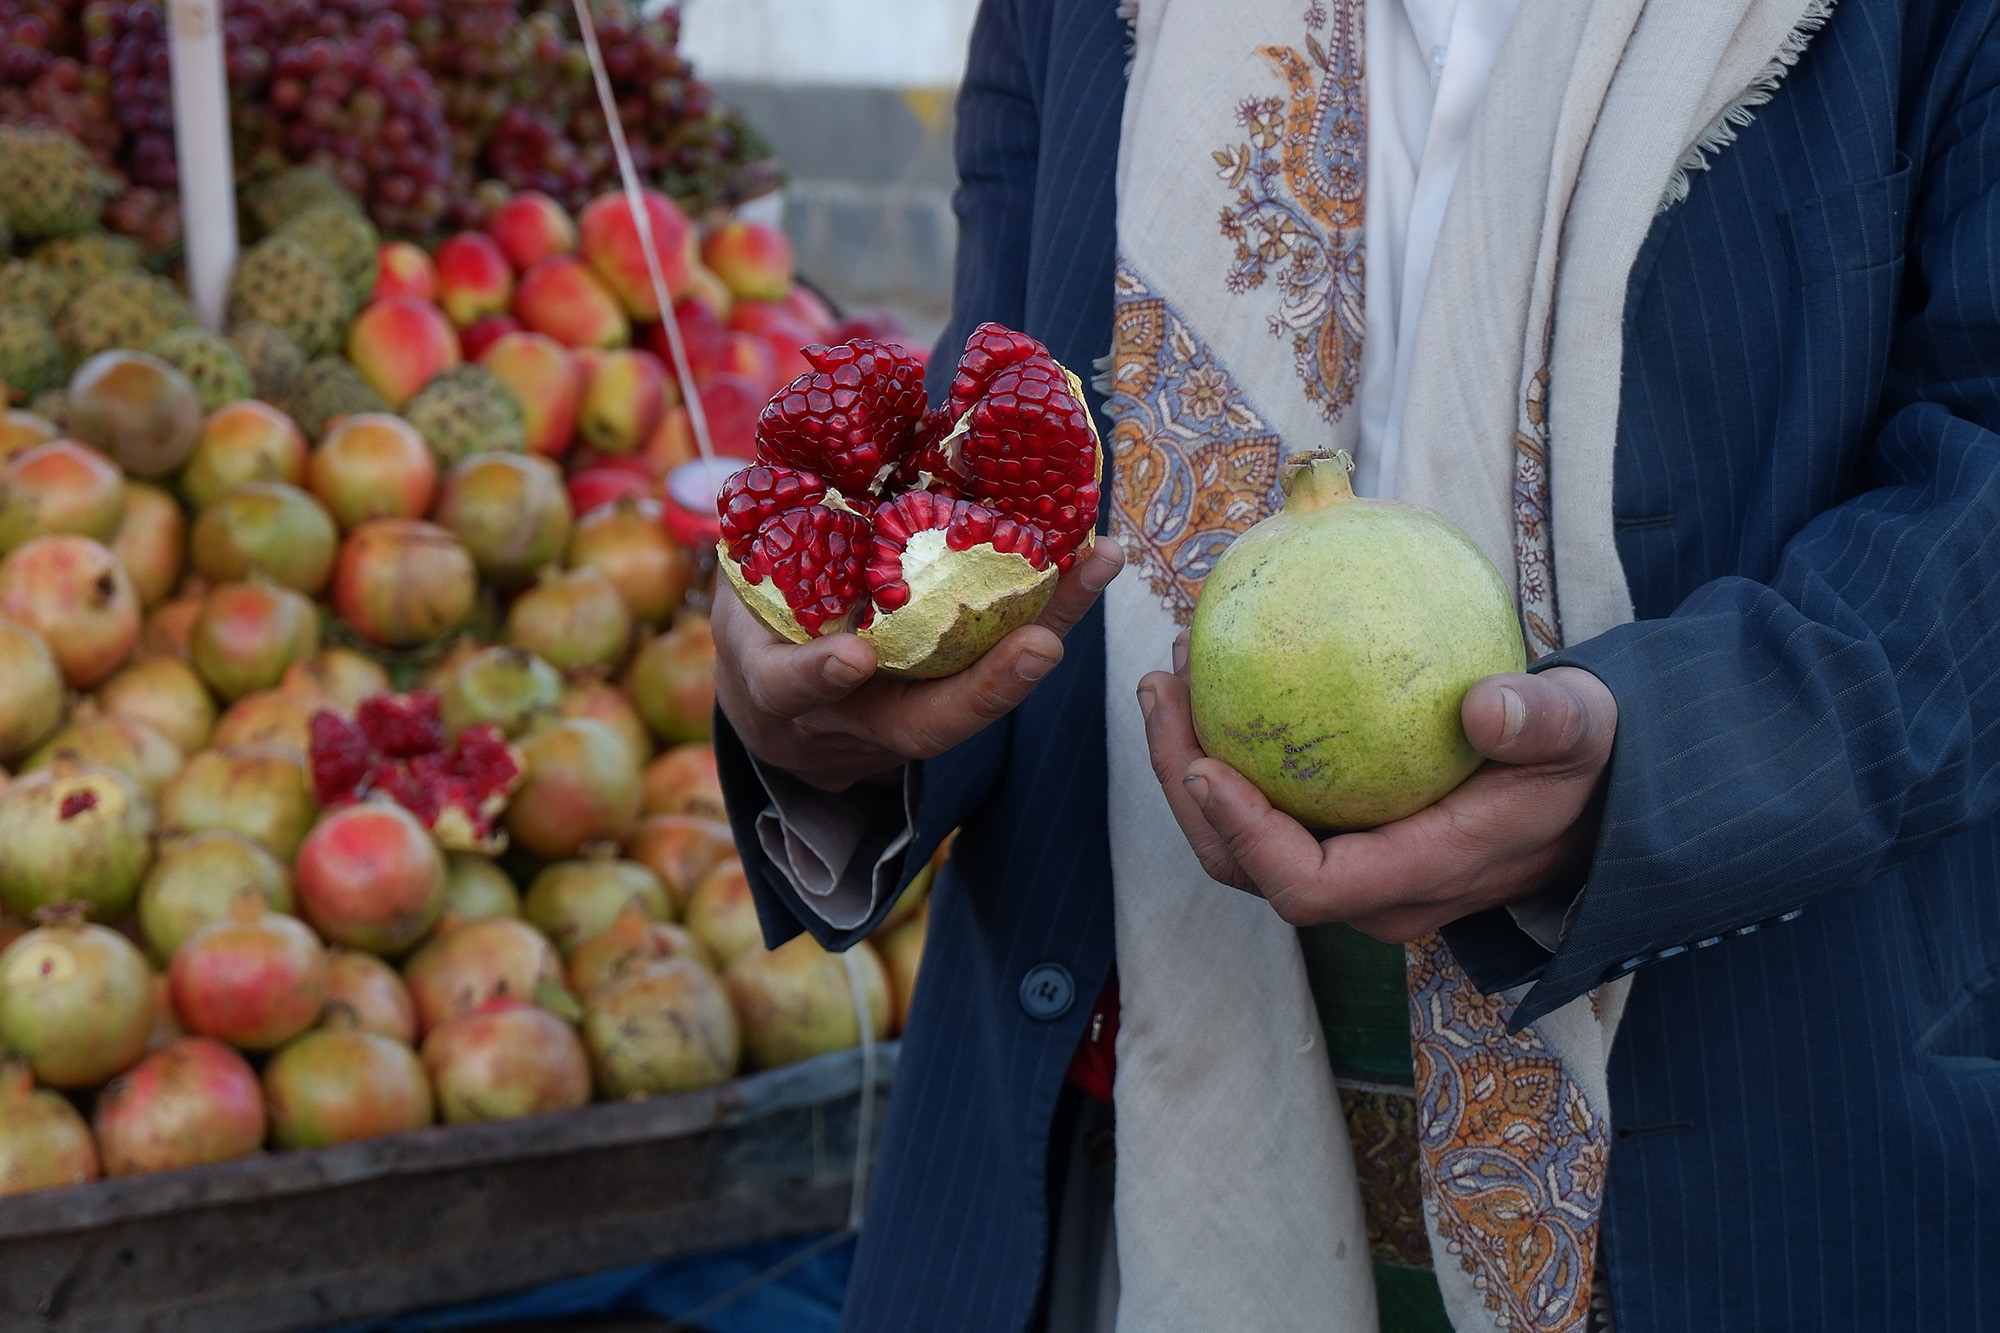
point(43, 81)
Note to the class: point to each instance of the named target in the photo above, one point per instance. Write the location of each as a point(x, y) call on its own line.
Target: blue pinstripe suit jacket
point(1808, 510)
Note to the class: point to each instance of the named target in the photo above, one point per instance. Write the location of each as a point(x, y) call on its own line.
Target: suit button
point(1047, 991)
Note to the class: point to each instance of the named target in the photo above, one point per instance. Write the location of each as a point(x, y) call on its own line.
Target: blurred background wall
point(856, 97)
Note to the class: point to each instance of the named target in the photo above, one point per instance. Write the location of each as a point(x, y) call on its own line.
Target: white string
point(642, 220)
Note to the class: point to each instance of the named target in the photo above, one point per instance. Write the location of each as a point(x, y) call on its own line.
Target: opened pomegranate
point(253, 978)
point(572, 900)
point(509, 687)
point(402, 582)
point(61, 486)
point(340, 676)
point(75, 999)
point(627, 543)
point(194, 880)
point(73, 833)
point(108, 740)
point(681, 850)
point(684, 781)
point(722, 914)
point(371, 995)
point(396, 747)
point(602, 701)
point(503, 1060)
point(73, 592)
point(474, 890)
point(339, 1084)
point(43, 1141)
point(582, 785)
point(672, 680)
point(191, 1102)
point(931, 536)
point(453, 974)
point(31, 690)
point(510, 510)
point(369, 876)
point(165, 694)
point(150, 540)
point(571, 619)
point(629, 943)
point(259, 791)
point(663, 1027)
point(794, 1001)
point(247, 635)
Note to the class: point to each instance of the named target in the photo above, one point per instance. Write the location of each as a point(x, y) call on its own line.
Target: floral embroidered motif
point(1300, 185)
point(1513, 1156)
point(1194, 465)
point(1534, 528)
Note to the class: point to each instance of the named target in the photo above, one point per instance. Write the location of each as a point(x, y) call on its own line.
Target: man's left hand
point(1525, 823)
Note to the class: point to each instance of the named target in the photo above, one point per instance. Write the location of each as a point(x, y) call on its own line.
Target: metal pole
point(201, 144)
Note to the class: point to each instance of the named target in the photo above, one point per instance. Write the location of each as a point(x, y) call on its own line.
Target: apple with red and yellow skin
point(753, 258)
point(622, 401)
point(751, 357)
point(610, 241)
point(543, 375)
point(482, 333)
point(711, 291)
point(403, 269)
point(563, 298)
point(529, 228)
point(473, 278)
point(399, 344)
point(804, 304)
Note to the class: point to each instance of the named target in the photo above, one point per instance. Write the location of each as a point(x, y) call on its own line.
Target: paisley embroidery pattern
point(1513, 1155)
point(1194, 464)
point(1534, 533)
point(1300, 186)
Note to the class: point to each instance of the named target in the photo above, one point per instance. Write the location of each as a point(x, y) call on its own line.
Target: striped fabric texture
point(1808, 507)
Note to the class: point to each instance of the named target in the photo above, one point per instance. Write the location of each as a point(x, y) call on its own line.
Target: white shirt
point(1427, 65)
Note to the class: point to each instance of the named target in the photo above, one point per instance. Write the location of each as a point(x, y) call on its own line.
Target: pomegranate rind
point(765, 601)
point(961, 604)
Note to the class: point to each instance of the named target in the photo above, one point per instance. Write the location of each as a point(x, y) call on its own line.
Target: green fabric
point(1364, 1003)
point(1407, 1301)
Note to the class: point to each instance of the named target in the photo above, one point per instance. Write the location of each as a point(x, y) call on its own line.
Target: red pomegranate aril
point(850, 419)
point(756, 494)
point(990, 349)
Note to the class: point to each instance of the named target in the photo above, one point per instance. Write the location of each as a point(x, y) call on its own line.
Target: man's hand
point(818, 709)
point(1524, 823)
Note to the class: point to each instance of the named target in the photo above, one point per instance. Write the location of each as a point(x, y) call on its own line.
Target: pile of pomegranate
point(341, 798)
point(932, 535)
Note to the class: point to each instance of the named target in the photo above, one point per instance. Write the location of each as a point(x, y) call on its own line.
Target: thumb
point(1563, 715)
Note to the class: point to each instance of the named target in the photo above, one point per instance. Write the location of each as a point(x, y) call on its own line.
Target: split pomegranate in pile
point(930, 534)
point(396, 748)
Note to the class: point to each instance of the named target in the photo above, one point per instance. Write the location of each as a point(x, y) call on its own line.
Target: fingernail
point(1180, 654)
point(1147, 699)
point(1098, 573)
point(1031, 666)
point(1197, 787)
point(1513, 712)
point(838, 671)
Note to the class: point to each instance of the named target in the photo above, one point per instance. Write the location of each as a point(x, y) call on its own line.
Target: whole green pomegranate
point(1333, 644)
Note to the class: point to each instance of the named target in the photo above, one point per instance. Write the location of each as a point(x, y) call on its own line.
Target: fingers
point(925, 718)
point(1276, 853)
point(1079, 589)
point(1170, 739)
point(1563, 715)
point(781, 678)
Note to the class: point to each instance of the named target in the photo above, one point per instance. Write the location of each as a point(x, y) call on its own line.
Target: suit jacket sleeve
point(1785, 740)
point(998, 139)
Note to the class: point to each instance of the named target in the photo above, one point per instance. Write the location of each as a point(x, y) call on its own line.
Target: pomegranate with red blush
point(370, 877)
point(582, 785)
point(400, 582)
point(191, 1102)
point(504, 1060)
point(253, 978)
point(368, 990)
point(73, 592)
point(247, 635)
point(338, 1084)
point(455, 973)
point(672, 681)
point(43, 1141)
point(627, 543)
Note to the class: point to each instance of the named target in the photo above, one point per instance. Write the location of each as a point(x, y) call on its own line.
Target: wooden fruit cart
point(304, 1240)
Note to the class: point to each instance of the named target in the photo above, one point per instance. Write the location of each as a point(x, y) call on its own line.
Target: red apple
point(711, 291)
point(529, 228)
point(610, 241)
point(563, 298)
point(805, 305)
point(402, 269)
point(473, 277)
point(595, 487)
point(751, 357)
point(753, 258)
point(543, 376)
point(398, 344)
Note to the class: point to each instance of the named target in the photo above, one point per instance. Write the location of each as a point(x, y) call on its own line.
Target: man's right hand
point(819, 710)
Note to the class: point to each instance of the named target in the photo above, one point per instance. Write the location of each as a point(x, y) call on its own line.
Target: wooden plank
point(298, 1241)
